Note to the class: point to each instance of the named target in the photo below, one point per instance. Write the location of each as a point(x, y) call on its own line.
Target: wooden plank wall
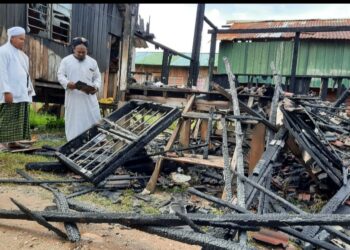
point(44, 63)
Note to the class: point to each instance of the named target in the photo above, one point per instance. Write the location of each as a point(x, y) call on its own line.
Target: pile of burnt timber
point(293, 181)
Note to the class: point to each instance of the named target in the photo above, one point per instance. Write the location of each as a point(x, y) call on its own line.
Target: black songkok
point(79, 40)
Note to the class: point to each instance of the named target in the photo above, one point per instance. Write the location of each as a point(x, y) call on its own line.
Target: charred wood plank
point(238, 133)
point(274, 103)
point(263, 200)
point(338, 199)
point(151, 185)
point(309, 142)
point(81, 192)
point(73, 233)
point(204, 240)
point(189, 222)
point(341, 98)
point(38, 182)
point(56, 167)
point(227, 169)
point(84, 207)
point(96, 215)
point(290, 231)
point(267, 159)
point(244, 107)
point(39, 219)
point(291, 206)
point(234, 226)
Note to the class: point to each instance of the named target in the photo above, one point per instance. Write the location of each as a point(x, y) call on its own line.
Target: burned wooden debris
point(97, 153)
point(296, 184)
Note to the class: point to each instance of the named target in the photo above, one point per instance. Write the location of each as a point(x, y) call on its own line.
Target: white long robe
point(81, 110)
point(14, 67)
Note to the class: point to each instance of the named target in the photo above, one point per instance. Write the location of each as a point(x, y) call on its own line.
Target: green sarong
point(14, 122)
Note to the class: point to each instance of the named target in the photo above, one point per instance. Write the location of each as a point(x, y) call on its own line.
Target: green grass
point(125, 204)
point(53, 139)
point(44, 121)
point(9, 162)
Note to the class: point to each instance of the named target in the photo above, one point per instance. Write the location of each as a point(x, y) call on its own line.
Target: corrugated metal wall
point(94, 22)
point(315, 58)
point(13, 15)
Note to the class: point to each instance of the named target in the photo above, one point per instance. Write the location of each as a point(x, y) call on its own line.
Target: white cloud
point(173, 24)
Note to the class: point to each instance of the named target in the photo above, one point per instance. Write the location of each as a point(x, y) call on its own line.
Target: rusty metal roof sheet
point(344, 35)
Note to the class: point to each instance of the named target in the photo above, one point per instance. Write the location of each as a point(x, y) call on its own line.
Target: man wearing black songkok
point(81, 105)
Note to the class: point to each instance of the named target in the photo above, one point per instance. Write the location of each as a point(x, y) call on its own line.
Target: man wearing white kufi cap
point(16, 89)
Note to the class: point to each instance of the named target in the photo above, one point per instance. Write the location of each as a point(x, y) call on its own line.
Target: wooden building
point(322, 57)
point(148, 67)
point(50, 28)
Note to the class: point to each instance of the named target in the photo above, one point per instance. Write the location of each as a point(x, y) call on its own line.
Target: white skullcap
point(15, 31)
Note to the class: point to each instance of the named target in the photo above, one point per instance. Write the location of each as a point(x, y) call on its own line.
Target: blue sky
point(173, 24)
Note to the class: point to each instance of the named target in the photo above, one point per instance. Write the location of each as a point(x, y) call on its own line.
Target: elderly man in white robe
point(80, 76)
point(16, 90)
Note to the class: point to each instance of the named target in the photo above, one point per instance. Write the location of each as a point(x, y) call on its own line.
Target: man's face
point(18, 41)
point(80, 52)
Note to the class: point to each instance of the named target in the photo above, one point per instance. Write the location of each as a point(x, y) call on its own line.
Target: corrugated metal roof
point(156, 58)
point(344, 35)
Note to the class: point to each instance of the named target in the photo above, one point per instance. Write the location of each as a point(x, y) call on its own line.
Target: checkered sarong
point(14, 122)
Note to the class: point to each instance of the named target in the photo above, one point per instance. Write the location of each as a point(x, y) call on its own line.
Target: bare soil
point(23, 234)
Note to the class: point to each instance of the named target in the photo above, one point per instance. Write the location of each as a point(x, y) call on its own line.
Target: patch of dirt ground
point(23, 234)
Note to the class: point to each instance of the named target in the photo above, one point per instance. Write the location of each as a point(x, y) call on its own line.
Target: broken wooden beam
point(204, 240)
point(248, 218)
point(238, 133)
point(73, 233)
point(39, 219)
point(151, 185)
point(244, 107)
point(239, 209)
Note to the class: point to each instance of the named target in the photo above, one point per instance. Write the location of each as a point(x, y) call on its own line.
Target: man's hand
point(89, 91)
point(71, 85)
point(93, 91)
point(8, 97)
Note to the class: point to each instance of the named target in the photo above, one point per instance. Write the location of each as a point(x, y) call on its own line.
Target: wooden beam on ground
point(212, 161)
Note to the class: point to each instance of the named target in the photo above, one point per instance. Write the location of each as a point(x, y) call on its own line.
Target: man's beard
point(80, 59)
